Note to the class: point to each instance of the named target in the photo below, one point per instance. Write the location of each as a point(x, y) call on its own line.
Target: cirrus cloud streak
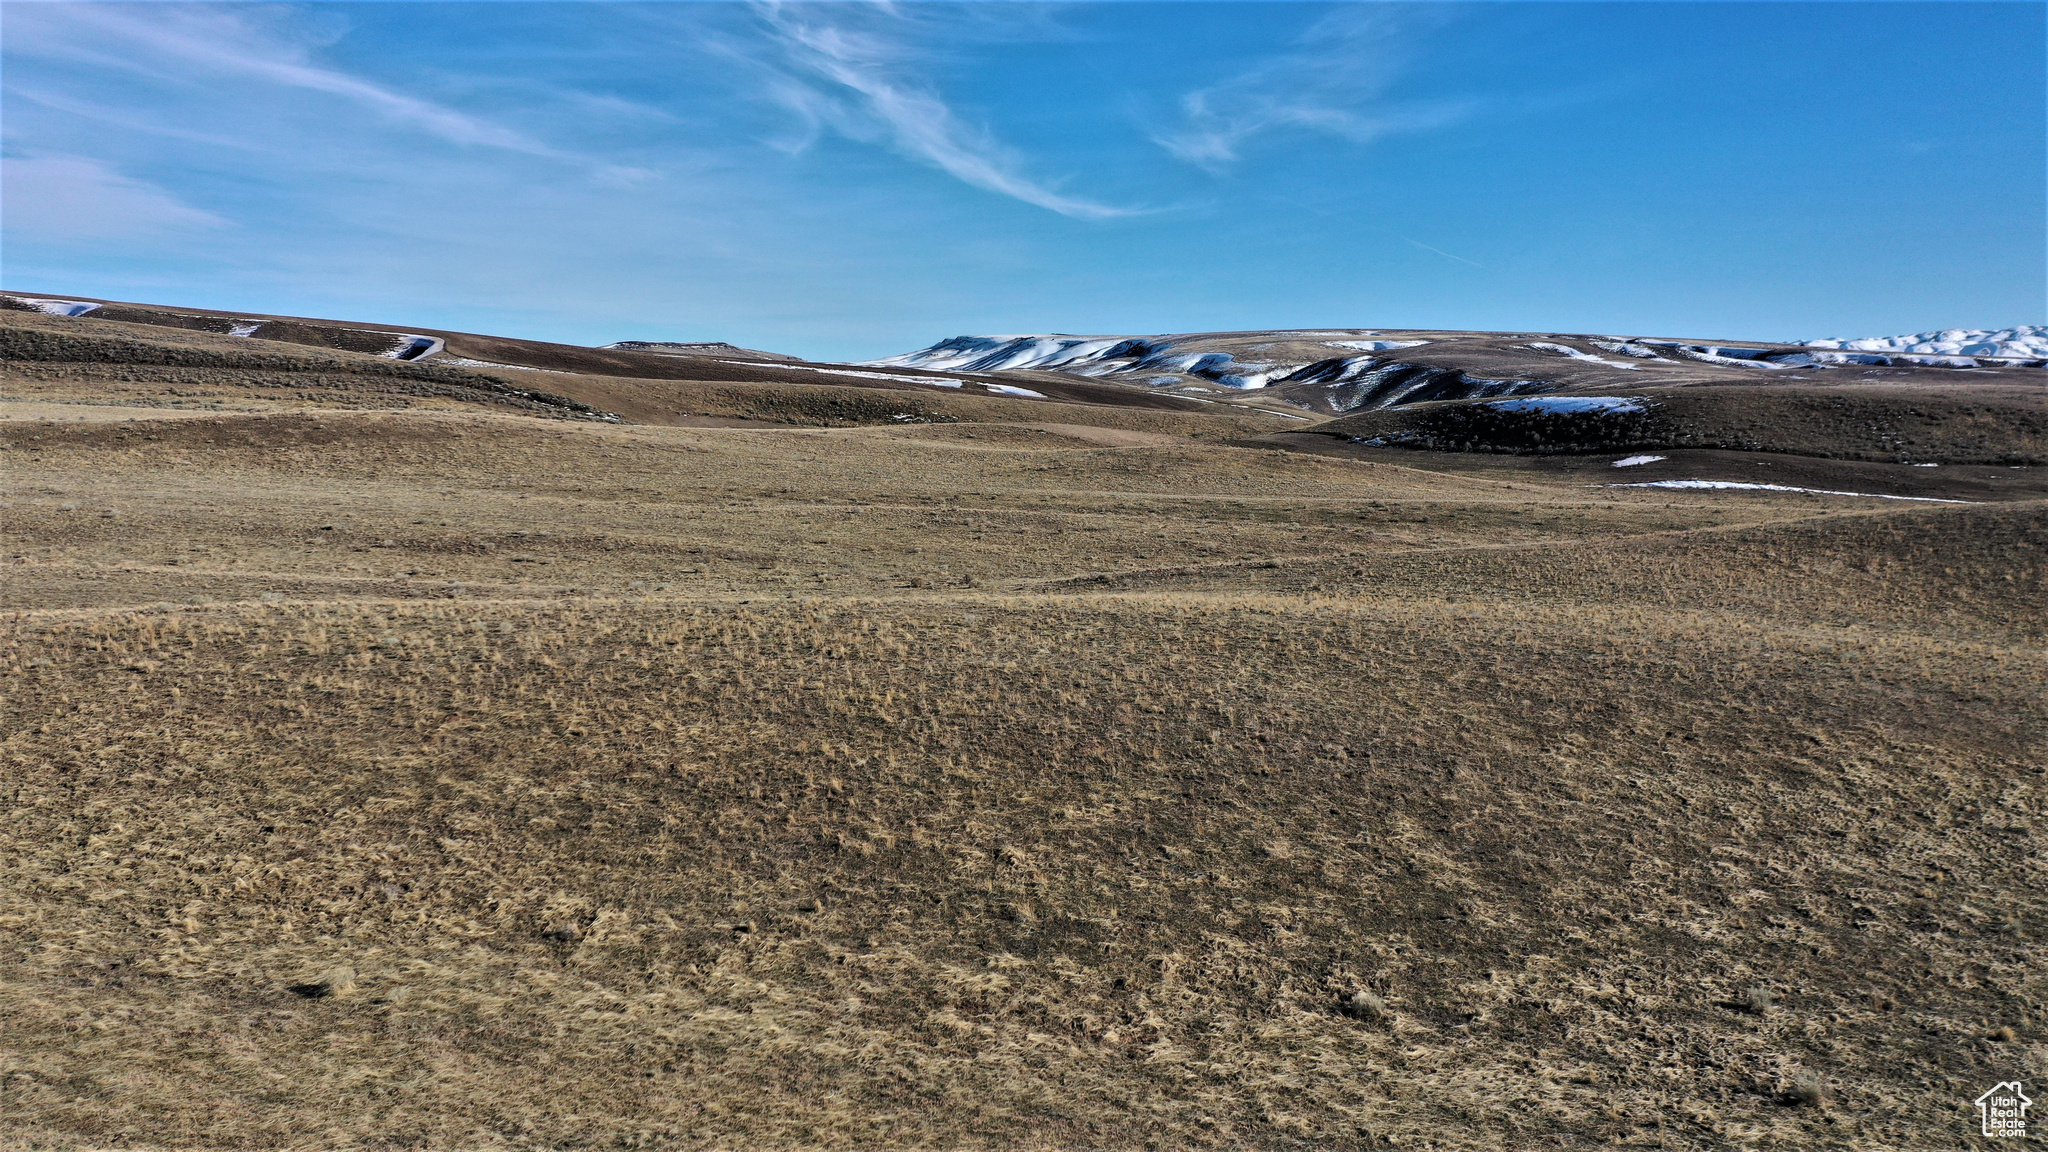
point(841, 69)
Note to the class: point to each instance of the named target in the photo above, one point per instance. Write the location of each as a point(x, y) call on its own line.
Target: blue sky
point(851, 180)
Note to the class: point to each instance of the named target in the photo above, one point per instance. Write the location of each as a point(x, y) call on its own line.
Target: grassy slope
point(981, 785)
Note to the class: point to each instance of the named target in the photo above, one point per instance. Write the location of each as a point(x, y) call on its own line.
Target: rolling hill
point(631, 360)
point(507, 745)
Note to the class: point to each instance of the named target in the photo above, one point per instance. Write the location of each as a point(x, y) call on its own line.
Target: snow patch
point(1013, 390)
point(248, 329)
point(1625, 348)
point(1632, 461)
point(1571, 404)
point(466, 362)
point(934, 381)
point(1253, 376)
point(1375, 345)
point(1778, 488)
point(1576, 354)
point(56, 307)
point(406, 346)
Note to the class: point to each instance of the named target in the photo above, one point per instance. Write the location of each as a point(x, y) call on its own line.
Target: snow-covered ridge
point(1107, 355)
point(1193, 363)
point(1148, 357)
point(997, 353)
point(1821, 356)
point(1084, 356)
point(2027, 342)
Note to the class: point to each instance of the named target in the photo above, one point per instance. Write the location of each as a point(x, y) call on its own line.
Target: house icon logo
point(2002, 1111)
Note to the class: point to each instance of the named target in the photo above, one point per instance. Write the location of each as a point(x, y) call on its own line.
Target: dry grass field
point(420, 769)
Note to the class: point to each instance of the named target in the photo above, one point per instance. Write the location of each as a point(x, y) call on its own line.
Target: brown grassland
point(407, 769)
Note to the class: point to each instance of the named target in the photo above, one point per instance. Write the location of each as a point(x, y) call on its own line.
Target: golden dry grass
point(453, 779)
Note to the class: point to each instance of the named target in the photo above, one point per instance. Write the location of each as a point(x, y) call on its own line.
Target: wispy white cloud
point(1334, 83)
point(56, 197)
point(187, 43)
point(153, 121)
point(1438, 251)
point(840, 68)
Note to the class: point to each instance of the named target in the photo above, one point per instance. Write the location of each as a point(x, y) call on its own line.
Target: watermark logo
point(2002, 1111)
